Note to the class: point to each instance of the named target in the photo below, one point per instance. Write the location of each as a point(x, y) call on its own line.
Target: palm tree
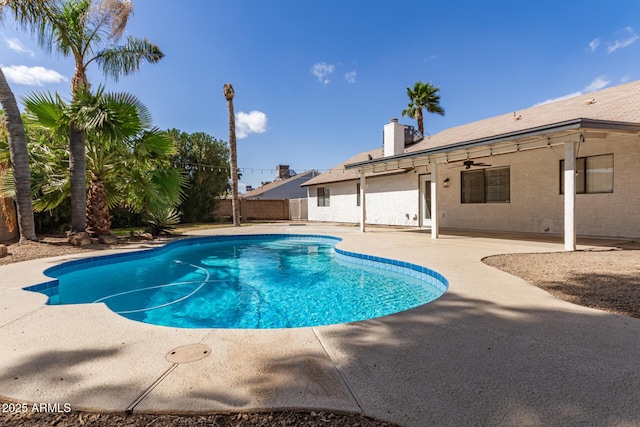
point(129, 162)
point(235, 201)
point(423, 95)
point(19, 160)
point(88, 31)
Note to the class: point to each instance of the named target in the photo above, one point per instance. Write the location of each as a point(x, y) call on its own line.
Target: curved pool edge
point(50, 287)
point(249, 372)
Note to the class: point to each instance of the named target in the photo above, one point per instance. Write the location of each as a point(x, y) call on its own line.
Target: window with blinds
point(594, 174)
point(486, 185)
point(323, 196)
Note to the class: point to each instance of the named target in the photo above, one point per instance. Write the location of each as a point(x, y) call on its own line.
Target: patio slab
point(494, 350)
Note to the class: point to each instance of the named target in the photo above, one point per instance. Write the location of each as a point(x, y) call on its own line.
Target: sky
point(316, 81)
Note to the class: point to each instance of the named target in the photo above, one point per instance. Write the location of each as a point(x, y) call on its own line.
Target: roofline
point(355, 178)
point(569, 125)
point(261, 190)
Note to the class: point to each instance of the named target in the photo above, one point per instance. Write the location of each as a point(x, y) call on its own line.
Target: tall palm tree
point(88, 31)
point(129, 161)
point(423, 95)
point(235, 201)
point(19, 160)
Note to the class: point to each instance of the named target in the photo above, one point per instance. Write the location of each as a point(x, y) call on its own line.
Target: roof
point(277, 183)
point(615, 108)
point(339, 173)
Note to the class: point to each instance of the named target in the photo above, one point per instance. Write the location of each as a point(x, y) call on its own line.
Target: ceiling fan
point(468, 163)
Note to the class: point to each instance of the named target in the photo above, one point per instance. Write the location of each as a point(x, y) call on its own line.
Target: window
point(486, 185)
point(358, 194)
point(594, 174)
point(323, 196)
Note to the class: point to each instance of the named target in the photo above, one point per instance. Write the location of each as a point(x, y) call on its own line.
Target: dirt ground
point(607, 280)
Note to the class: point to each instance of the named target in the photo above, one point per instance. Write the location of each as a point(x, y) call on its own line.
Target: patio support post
point(434, 201)
point(363, 203)
point(570, 196)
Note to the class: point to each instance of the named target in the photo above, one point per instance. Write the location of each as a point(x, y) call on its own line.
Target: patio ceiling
point(528, 139)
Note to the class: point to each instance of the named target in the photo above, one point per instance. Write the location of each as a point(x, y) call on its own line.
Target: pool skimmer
point(188, 353)
point(177, 356)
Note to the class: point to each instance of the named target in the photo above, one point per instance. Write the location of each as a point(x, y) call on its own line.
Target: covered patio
point(567, 135)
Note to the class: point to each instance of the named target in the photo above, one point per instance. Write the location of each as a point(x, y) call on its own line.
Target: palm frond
point(7, 184)
point(117, 13)
point(155, 144)
point(125, 59)
point(114, 116)
point(48, 111)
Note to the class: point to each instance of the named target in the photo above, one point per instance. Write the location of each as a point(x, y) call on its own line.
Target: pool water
point(267, 281)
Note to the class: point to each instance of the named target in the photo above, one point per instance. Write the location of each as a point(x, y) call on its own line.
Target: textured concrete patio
point(494, 350)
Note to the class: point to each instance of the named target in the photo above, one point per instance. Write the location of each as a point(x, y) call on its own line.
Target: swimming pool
point(245, 281)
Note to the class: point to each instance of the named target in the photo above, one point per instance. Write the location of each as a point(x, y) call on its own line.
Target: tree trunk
point(19, 160)
point(78, 174)
point(98, 218)
point(78, 159)
point(235, 200)
point(420, 119)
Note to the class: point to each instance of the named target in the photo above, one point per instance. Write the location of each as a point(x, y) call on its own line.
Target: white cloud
point(32, 76)
point(628, 37)
point(597, 84)
point(631, 37)
point(560, 98)
point(322, 70)
point(17, 46)
point(252, 122)
point(350, 77)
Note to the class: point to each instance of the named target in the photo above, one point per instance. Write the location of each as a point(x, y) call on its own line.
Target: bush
point(161, 222)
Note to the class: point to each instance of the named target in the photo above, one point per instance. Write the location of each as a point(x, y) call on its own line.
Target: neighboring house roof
point(277, 183)
point(615, 108)
point(339, 173)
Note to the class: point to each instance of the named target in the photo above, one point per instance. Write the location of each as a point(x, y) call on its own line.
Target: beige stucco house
point(570, 167)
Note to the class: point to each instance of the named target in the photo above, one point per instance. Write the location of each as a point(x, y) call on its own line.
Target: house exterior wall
point(342, 203)
point(535, 206)
point(391, 200)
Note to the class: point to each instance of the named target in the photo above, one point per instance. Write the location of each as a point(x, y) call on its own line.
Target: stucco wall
point(342, 203)
point(536, 205)
point(391, 200)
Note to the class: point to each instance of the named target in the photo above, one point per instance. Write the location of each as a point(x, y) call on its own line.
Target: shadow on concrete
point(455, 361)
point(469, 362)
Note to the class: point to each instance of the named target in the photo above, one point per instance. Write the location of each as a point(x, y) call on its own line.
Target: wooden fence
point(255, 209)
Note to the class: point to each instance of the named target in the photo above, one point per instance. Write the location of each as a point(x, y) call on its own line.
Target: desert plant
point(162, 221)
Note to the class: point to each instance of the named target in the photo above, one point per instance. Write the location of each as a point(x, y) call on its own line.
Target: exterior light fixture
point(445, 183)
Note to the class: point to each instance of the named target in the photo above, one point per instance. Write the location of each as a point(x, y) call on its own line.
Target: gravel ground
point(608, 280)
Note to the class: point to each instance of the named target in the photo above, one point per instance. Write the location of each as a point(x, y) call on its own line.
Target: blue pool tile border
point(50, 287)
point(413, 270)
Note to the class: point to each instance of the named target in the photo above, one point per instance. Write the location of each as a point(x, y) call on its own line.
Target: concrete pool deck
point(494, 350)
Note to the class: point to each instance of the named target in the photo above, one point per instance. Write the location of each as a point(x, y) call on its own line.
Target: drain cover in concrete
point(188, 353)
